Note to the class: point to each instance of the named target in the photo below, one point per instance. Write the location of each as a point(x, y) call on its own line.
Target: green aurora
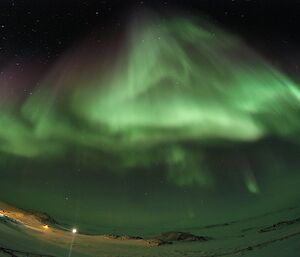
point(184, 106)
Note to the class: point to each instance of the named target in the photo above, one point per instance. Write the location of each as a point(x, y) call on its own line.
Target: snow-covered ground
point(275, 234)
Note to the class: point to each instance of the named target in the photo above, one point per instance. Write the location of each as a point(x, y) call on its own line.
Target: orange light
point(46, 226)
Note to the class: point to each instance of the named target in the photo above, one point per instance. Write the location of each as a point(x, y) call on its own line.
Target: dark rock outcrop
point(180, 236)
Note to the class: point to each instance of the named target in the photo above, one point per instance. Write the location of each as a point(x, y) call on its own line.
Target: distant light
point(74, 230)
point(2, 215)
point(45, 226)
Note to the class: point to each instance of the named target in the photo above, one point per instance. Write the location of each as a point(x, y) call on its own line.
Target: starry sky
point(144, 116)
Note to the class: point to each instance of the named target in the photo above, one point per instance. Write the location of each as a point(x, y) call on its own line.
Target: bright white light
point(74, 230)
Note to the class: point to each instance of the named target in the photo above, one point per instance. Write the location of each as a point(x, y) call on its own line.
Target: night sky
point(145, 116)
